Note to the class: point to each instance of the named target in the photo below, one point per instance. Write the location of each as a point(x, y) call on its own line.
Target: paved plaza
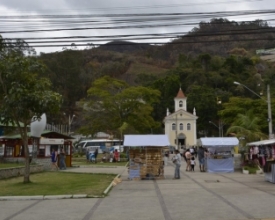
point(206, 196)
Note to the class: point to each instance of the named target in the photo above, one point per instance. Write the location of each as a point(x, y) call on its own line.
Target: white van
point(119, 148)
point(90, 144)
point(92, 149)
point(100, 144)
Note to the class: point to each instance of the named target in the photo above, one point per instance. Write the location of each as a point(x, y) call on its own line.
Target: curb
point(51, 197)
point(48, 197)
point(41, 197)
point(107, 190)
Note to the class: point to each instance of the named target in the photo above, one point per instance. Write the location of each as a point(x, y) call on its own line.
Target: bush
point(251, 165)
point(123, 155)
point(252, 170)
point(75, 155)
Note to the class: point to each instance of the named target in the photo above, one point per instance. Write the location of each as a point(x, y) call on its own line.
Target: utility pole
point(268, 101)
point(70, 121)
point(219, 126)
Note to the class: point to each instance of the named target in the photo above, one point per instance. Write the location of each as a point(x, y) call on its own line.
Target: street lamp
point(220, 127)
point(70, 121)
point(269, 119)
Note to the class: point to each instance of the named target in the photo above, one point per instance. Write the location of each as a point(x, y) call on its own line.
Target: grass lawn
point(84, 163)
point(9, 165)
point(81, 161)
point(57, 183)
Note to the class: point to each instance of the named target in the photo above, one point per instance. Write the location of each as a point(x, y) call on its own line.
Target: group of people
point(91, 156)
point(115, 156)
point(54, 159)
point(189, 156)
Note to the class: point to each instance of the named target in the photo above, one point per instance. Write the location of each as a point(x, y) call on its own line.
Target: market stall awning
point(156, 140)
point(219, 142)
point(263, 142)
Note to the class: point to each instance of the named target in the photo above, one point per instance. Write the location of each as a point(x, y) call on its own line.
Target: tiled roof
point(180, 94)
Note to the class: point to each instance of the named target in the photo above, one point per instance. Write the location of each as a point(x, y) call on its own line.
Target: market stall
point(219, 156)
point(146, 155)
point(264, 153)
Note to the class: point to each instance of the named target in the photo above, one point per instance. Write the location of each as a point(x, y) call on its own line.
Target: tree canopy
point(23, 94)
point(111, 102)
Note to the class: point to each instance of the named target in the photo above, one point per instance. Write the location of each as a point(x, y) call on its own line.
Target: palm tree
point(247, 126)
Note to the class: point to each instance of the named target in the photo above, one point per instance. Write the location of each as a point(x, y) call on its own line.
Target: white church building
point(181, 126)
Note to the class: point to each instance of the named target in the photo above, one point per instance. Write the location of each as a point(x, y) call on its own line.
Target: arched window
point(188, 127)
point(181, 126)
point(180, 104)
point(173, 126)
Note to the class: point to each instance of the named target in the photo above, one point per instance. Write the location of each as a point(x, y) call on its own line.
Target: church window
point(181, 126)
point(173, 126)
point(180, 104)
point(188, 127)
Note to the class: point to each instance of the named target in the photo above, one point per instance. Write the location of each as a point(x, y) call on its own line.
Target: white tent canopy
point(219, 142)
point(156, 140)
point(263, 142)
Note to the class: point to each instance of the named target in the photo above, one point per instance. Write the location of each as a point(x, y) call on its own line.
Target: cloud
point(107, 7)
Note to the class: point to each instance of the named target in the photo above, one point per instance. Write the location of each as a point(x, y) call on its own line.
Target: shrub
point(123, 155)
point(252, 170)
point(75, 155)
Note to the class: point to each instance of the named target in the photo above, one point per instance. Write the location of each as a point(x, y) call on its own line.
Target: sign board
point(51, 141)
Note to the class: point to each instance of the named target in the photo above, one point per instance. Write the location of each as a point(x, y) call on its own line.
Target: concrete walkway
point(232, 196)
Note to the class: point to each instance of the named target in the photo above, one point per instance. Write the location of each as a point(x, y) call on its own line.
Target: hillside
point(216, 37)
point(212, 56)
point(124, 46)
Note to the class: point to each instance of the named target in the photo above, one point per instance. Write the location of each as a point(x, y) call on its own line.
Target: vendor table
point(270, 173)
point(220, 165)
point(219, 157)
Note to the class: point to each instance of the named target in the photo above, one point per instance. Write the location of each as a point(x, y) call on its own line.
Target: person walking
point(193, 164)
point(54, 159)
point(188, 158)
point(116, 155)
point(96, 153)
point(192, 150)
point(201, 153)
point(87, 155)
point(177, 162)
point(62, 157)
point(166, 156)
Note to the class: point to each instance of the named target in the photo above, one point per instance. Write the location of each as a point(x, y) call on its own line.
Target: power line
point(102, 28)
point(154, 43)
point(258, 31)
point(193, 14)
point(160, 19)
point(149, 6)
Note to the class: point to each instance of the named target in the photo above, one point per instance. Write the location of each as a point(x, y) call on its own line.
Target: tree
point(237, 105)
point(111, 103)
point(247, 126)
point(206, 110)
point(23, 94)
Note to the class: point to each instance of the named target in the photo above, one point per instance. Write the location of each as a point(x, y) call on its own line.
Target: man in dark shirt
point(201, 158)
point(96, 153)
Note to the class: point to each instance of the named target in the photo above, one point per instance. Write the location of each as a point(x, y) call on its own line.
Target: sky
point(100, 21)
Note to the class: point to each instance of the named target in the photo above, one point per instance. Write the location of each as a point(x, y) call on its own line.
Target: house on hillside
point(181, 126)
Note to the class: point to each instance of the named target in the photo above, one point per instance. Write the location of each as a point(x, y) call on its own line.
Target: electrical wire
point(136, 21)
point(143, 7)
